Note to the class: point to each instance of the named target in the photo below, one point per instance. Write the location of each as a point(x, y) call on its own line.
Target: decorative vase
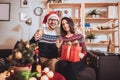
point(93, 16)
point(22, 73)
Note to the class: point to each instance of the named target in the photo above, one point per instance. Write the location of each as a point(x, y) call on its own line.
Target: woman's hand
point(81, 55)
point(59, 42)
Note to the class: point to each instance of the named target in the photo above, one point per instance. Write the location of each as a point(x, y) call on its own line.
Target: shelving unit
point(118, 27)
point(100, 32)
point(81, 19)
point(97, 44)
point(101, 20)
point(73, 6)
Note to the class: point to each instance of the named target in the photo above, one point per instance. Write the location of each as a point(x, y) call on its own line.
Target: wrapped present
point(70, 53)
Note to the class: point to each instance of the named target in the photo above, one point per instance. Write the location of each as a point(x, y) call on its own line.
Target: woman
point(69, 37)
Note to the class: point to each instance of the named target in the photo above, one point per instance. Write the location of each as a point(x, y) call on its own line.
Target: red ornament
point(36, 51)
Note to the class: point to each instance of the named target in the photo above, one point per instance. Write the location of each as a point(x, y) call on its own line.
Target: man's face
point(52, 22)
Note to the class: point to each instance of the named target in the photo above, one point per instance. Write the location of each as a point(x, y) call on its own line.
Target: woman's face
point(52, 22)
point(65, 25)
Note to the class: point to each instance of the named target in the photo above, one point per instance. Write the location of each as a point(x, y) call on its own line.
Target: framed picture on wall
point(24, 3)
point(23, 16)
point(4, 11)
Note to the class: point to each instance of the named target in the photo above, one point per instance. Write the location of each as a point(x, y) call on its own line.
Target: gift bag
point(70, 53)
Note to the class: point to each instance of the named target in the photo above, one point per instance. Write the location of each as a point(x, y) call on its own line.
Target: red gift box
point(70, 53)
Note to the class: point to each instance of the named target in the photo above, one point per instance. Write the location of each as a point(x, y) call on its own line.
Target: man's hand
point(59, 42)
point(38, 34)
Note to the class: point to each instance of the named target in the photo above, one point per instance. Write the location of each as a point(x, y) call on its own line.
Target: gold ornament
point(75, 43)
point(69, 43)
point(38, 68)
point(27, 45)
point(18, 55)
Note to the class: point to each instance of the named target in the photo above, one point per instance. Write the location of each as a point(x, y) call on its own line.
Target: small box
point(70, 53)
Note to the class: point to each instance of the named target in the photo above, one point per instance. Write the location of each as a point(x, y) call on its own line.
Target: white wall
point(13, 30)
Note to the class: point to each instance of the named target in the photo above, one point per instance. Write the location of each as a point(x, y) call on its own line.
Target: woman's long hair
point(71, 25)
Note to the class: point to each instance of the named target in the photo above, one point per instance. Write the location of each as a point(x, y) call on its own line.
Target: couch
point(5, 53)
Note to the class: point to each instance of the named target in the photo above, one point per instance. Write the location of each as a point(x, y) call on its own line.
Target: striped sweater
point(47, 44)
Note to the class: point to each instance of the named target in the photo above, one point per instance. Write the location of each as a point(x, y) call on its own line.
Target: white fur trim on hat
point(53, 15)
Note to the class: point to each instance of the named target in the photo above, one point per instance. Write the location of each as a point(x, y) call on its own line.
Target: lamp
point(29, 21)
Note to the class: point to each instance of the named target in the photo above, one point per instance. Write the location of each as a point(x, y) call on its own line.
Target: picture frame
point(23, 16)
point(24, 3)
point(4, 11)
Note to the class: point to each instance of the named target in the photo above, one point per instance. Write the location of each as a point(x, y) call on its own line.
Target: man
point(46, 39)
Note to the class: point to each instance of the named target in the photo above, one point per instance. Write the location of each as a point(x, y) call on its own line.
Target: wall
point(14, 30)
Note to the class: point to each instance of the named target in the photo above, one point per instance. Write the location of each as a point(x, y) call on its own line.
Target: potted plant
point(23, 53)
point(94, 13)
point(22, 58)
point(90, 36)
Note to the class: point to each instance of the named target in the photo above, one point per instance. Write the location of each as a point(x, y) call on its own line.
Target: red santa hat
point(49, 15)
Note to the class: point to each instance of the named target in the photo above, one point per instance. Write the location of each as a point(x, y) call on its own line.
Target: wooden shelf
point(99, 44)
point(65, 5)
point(100, 4)
point(76, 19)
point(100, 32)
point(99, 20)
